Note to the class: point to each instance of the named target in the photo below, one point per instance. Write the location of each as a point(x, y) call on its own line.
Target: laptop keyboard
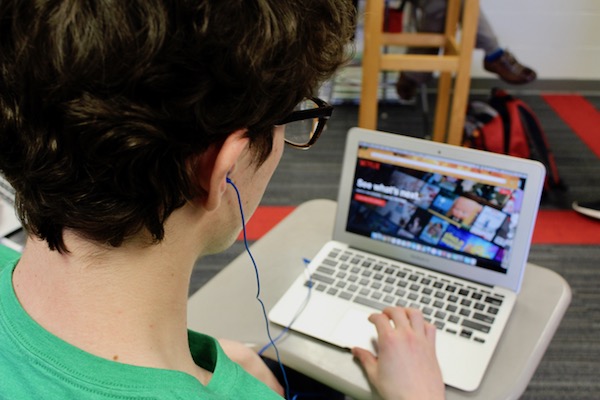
point(456, 307)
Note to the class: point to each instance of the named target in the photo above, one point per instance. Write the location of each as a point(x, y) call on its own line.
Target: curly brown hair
point(102, 104)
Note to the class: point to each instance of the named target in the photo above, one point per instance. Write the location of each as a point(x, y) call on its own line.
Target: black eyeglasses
point(304, 125)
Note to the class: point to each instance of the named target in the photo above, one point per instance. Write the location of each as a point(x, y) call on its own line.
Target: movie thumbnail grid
point(459, 215)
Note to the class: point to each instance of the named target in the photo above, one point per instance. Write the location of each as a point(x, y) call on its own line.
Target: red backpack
point(507, 125)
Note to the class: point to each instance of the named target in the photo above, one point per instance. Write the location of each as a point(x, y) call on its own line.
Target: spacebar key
point(370, 303)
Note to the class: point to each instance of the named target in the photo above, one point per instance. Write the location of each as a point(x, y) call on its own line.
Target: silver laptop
point(8, 219)
point(441, 228)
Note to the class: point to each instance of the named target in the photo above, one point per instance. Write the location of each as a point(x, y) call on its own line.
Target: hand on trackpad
point(354, 329)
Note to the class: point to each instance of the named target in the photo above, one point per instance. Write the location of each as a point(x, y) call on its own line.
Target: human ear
point(216, 163)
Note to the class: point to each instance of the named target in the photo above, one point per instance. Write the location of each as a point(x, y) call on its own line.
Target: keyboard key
point(454, 319)
point(389, 299)
point(492, 310)
point(479, 306)
point(439, 324)
point(345, 295)
point(427, 310)
point(401, 303)
point(332, 291)
point(484, 318)
point(465, 312)
point(322, 278)
point(364, 292)
point(376, 295)
point(476, 325)
point(465, 302)
point(463, 292)
point(466, 333)
point(369, 303)
point(330, 262)
point(326, 270)
point(451, 308)
point(340, 284)
point(440, 314)
point(493, 300)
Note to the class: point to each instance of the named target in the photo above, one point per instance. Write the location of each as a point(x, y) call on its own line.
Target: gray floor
point(569, 370)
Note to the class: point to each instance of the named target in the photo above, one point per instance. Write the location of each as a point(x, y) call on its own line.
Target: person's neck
point(127, 304)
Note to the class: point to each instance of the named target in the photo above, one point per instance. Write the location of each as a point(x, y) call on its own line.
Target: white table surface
point(226, 306)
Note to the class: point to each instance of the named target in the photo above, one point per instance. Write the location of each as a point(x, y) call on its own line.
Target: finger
point(367, 360)
point(398, 316)
point(430, 332)
point(381, 322)
point(416, 319)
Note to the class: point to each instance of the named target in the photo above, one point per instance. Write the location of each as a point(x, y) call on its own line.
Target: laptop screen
point(444, 208)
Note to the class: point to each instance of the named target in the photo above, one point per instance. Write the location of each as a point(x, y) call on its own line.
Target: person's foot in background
point(504, 64)
point(406, 89)
point(588, 208)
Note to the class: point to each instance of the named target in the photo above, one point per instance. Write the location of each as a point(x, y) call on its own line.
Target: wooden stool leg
point(441, 107)
point(462, 83)
point(367, 113)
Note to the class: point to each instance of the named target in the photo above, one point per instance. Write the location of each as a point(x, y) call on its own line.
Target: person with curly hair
point(123, 126)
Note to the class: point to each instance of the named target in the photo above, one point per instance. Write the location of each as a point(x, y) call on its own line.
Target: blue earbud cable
point(262, 305)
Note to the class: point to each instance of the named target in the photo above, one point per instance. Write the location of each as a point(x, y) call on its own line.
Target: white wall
point(560, 39)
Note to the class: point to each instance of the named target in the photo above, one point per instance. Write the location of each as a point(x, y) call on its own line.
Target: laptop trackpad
point(354, 329)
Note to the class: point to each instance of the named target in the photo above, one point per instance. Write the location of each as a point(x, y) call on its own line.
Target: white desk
point(226, 307)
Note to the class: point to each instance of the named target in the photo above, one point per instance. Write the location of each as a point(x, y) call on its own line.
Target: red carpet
point(265, 218)
point(565, 227)
point(580, 115)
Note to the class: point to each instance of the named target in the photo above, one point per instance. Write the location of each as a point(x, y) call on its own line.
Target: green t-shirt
point(34, 364)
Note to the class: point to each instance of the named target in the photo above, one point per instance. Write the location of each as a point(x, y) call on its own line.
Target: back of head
point(103, 104)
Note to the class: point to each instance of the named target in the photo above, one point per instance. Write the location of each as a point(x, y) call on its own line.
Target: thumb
point(367, 360)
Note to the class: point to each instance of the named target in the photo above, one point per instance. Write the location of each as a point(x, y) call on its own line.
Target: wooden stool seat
point(454, 60)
